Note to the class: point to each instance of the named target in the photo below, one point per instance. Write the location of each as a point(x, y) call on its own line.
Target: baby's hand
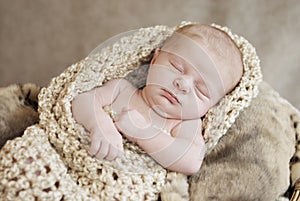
point(106, 141)
point(106, 147)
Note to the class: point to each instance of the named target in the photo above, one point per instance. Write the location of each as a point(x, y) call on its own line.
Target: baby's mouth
point(170, 96)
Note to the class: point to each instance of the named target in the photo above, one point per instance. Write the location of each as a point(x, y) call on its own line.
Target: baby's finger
point(120, 153)
point(103, 150)
point(95, 145)
point(112, 153)
point(126, 109)
point(123, 112)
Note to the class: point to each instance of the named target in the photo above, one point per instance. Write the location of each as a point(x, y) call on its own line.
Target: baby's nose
point(183, 84)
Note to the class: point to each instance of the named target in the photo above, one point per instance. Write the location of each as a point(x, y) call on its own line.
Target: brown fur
point(18, 110)
point(252, 161)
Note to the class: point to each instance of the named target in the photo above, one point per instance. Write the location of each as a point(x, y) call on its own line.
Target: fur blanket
point(251, 162)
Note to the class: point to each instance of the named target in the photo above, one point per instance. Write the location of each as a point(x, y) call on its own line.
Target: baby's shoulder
point(121, 87)
point(120, 84)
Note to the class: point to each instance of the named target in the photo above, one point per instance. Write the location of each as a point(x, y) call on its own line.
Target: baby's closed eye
point(201, 90)
point(177, 65)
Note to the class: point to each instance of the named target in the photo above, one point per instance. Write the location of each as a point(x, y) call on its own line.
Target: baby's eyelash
point(178, 66)
point(202, 90)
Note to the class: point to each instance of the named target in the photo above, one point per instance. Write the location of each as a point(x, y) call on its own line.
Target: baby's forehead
point(221, 48)
point(202, 32)
point(195, 48)
point(209, 37)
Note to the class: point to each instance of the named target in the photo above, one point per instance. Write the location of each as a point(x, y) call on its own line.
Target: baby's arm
point(185, 154)
point(183, 151)
point(87, 109)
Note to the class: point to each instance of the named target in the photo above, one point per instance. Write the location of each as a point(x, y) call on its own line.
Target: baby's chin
point(178, 116)
point(162, 113)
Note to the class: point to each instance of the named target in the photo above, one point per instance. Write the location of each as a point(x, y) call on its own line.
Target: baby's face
point(183, 81)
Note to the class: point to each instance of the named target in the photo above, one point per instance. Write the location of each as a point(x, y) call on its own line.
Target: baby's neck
point(140, 103)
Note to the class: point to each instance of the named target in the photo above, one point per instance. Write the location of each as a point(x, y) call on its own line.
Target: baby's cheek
point(192, 108)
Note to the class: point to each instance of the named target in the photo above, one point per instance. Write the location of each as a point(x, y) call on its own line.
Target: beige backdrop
point(40, 38)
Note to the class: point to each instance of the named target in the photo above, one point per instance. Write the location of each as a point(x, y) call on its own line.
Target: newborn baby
point(194, 69)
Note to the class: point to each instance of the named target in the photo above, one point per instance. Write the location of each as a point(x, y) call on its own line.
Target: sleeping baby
point(194, 69)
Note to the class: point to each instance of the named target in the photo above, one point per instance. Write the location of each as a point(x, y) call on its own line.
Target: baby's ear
point(154, 56)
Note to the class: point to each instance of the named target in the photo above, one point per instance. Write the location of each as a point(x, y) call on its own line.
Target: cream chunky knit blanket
point(51, 162)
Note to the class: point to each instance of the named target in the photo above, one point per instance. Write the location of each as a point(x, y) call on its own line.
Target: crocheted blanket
point(51, 162)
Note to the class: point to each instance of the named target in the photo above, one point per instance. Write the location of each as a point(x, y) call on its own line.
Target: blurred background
point(40, 38)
